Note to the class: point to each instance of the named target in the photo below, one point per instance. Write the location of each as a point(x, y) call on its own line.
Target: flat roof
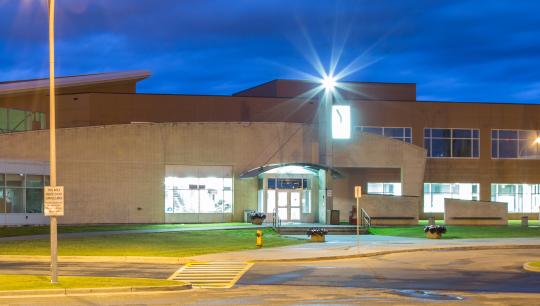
point(11, 87)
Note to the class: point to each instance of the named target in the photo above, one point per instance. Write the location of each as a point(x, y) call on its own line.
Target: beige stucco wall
point(391, 210)
point(115, 174)
point(463, 212)
point(367, 150)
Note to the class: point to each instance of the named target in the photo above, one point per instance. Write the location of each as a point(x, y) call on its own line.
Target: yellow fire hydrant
point(259, 238)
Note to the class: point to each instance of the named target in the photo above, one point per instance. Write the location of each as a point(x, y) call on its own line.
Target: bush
point(440, 229)
point(317, 231)
point(257, 215)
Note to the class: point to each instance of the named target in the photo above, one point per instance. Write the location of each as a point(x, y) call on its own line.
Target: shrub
point(257, 215)
point(440, 229)
point(317, 231)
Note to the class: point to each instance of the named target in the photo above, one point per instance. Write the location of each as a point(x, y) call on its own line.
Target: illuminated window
point(198, 189)
point(457, 143)
point(519, 144)
point(384, 188)
point(521, 198)
point(435, 193)
point(399, 133)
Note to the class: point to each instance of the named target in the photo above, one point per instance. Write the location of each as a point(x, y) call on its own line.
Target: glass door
point(294, 208)
point(283, 204)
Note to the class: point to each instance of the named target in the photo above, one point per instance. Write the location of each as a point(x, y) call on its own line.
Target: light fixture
point(537, 141)
point(329, 83)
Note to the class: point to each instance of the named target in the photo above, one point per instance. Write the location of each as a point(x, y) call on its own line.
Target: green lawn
point(171, 244)
point(26, 282)
point(37, 230)
point(455, 232)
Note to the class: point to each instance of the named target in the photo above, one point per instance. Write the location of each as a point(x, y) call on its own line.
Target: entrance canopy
point(313, 168)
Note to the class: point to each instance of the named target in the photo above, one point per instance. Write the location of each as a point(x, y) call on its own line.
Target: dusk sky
point(481, 50)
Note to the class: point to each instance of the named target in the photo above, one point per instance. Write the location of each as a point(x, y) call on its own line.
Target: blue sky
point(481, 50)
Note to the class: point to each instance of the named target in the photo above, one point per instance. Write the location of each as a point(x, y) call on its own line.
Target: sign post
point(358, 195)
point(54, 207)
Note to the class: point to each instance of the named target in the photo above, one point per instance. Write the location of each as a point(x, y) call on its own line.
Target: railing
point(365, 219)
point(276, 221)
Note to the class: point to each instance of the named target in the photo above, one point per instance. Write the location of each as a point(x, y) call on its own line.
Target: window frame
point(517, 140)
point(360, 128)
point(450, 139)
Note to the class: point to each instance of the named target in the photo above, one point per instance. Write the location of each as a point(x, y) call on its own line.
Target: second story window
point(399, 133)
point(519, 144)
point(455, 143)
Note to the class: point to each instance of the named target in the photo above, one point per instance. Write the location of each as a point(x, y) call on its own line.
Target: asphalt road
point(493, 277)
point(92, 269)
point(488, 271)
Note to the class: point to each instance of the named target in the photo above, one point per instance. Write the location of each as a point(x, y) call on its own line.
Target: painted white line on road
point(211, 274)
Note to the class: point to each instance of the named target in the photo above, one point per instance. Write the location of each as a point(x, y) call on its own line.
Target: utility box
point(332, 217)
point(525, 221)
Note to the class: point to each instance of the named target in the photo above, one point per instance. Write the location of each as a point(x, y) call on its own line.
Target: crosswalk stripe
point(211, 274)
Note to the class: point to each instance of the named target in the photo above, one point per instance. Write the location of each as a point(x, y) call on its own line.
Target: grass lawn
point(171, 244)
point(26, 282)
point(37, 230)
point(455, 232)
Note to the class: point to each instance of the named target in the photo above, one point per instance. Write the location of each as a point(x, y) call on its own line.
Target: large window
point(399, 133)
point(21, 193)
point(15, 120)
point(435, 193)
point(521, 144)
point(384, 188)
point(198, 189)
point(521, 198)
point(457, 143)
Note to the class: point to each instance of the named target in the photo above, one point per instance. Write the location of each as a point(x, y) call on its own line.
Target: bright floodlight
point(329, 82)
point(537, 141)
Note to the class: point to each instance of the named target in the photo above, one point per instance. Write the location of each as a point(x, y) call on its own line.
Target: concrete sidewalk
point(344, 246)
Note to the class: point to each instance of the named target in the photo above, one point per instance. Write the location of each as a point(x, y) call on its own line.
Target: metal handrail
point(276, 221)
point(365, 219)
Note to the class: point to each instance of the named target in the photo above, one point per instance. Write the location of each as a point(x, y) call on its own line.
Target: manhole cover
point(429, 295)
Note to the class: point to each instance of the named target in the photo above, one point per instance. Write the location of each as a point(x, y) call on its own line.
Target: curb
point(75, 291)
point(107, 259)
point(527, 266)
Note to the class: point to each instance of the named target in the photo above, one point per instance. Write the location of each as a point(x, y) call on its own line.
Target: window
point(384, 188)
point(520, 144)
point(435, 193)
point(198, 189)
point(21, 193)
point(14, 120)
point(458, 143)
point(399, 133)
point(521, 198)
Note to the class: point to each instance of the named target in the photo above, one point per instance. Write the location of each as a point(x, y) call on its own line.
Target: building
point(126, 157)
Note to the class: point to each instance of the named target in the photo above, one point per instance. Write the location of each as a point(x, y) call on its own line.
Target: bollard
point(259, 238)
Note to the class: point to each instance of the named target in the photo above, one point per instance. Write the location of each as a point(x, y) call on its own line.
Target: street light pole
point(52, 143)
point(325, 142)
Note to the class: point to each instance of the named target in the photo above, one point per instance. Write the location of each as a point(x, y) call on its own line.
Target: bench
point(477, 218)
point(392, 218)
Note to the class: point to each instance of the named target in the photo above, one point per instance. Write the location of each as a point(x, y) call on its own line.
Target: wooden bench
point(477, 218)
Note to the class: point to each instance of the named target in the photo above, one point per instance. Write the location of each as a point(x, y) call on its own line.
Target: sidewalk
point(344, 246)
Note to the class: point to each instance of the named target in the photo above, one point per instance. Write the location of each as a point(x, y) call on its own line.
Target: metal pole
point(52, 143)
point(357, 224)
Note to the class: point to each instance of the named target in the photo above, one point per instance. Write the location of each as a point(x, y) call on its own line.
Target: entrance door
point(288, 204)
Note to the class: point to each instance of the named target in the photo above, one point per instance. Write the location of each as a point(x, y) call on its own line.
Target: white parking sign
point(54, 201)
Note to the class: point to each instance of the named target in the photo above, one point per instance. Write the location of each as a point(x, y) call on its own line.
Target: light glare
point(329, 83)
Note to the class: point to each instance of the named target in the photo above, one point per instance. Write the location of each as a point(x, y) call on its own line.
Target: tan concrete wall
point(115, 174)
point(388, 210)
point(462, 212)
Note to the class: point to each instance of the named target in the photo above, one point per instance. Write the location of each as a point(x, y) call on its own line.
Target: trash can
point(524, 221)
point(247, 214)
point(332, 217)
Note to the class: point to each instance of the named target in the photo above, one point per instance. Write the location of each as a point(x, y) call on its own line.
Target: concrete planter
point(257, 221)
point(317, 238)
point(435, 235)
